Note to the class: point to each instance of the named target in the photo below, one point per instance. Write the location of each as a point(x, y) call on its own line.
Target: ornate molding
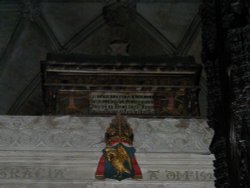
point(226, 54)
point(61, 150)
point(239, 39)
point(87, 134)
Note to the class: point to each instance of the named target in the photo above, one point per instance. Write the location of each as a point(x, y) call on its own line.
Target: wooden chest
point(106, 85)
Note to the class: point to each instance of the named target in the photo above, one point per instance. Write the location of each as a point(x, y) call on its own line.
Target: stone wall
point(64, 152)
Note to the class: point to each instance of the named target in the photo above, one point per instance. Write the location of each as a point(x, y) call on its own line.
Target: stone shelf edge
point(66, 151)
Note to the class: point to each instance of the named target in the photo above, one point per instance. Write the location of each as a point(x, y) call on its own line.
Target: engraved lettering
point(202, 176)
point(153, 174)
point(190, 175)
point(181, 176)
point(31, 173)
point(136, 103)
point(171, 175)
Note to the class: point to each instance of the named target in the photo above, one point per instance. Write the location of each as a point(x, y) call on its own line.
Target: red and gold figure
point(118, 160)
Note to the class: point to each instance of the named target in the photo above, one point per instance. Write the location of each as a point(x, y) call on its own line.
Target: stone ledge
point(66, 133)
point(108, 184)
point(81, 166)
point(93, 157)
point(51, 152)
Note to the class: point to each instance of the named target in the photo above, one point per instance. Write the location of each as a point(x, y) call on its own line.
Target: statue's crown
point(119, 130)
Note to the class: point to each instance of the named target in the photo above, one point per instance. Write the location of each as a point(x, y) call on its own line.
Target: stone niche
point(63, 151)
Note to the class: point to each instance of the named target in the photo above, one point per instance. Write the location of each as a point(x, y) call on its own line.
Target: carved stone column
point(225, 26)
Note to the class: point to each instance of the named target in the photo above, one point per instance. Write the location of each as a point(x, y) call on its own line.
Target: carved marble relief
point(86, 134)
point(56, 151)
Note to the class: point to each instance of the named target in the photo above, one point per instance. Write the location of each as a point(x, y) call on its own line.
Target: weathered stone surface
point(87, 134)
point(64, 152)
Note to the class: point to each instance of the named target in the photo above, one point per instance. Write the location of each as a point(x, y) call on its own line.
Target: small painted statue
point(118, 160)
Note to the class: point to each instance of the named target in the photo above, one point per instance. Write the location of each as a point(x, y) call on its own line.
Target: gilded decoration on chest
point(105, 85)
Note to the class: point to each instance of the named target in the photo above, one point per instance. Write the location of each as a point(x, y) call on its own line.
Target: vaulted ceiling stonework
point(30, 29)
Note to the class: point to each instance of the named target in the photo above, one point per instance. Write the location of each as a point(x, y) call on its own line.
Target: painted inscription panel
point(178, 102)
point(125, 103)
